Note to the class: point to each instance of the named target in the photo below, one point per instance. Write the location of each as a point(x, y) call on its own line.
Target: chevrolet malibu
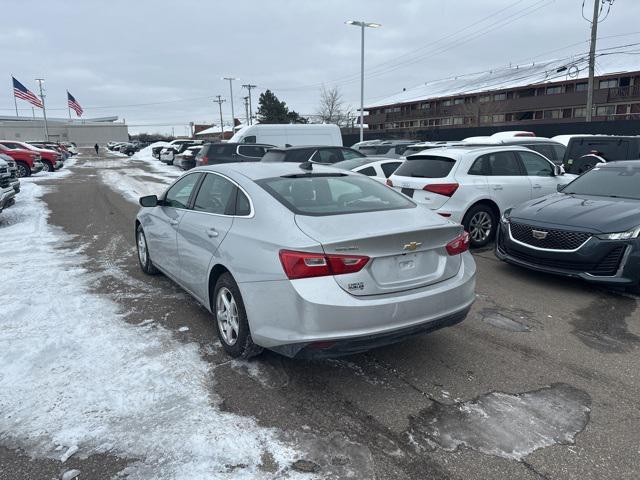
point(588, 230)
point(306, 260)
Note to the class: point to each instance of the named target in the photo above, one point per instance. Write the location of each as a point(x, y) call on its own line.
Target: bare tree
point(331, 108)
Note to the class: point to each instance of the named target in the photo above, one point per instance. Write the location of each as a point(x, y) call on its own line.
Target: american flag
point(20, 91)
point(73, 104)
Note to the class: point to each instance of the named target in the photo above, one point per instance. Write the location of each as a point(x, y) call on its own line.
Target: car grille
point(554, 240)
point(607, 267)
point(5, 182)
point(4, 170)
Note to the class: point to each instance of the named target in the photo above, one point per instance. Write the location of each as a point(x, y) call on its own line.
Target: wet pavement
point(541, 380)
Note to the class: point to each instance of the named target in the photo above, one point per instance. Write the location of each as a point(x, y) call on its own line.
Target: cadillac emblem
point(539, 234)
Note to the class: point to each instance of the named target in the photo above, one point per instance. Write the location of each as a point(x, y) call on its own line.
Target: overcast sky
point(114, 55)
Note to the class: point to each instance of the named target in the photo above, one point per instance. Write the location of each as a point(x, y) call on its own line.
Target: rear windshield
point(351, 164)
point(334, 194)
point(623, 182)
point(375, 149)
point(425, 166)
point(609, 149)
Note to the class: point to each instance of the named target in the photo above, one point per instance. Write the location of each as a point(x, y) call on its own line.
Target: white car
point(377, 168)
point(474, 185)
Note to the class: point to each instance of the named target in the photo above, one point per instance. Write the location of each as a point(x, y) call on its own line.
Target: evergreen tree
point(272, 110)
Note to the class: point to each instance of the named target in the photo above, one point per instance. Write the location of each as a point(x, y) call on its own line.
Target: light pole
point(219, 100)
point(44, 109)
point(233, 117)
point(362, 26)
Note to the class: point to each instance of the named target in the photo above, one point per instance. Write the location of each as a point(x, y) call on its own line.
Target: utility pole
point(233, 117)
point(219, 100)
point(44, 110)
point(246, 108)
point(597, 9)
point(248, 86)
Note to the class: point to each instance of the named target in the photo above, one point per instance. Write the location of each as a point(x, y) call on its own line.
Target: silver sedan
point(306, 260)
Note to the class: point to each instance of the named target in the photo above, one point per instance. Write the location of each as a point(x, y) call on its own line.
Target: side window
point(545, 150)
point(368, 171)
point(480, 166)
point(327, 155)
point(503, 164)
point(249, 139)
point(216, 195)
point(559, 149)
point(243, 207)
point(178, 195)
point(400, 149)
point(303, 155)
point(390, 167)
point(535, 165)
point(251, 151)
point(350, 155)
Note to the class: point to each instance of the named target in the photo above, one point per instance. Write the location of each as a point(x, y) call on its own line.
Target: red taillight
point(305, 265)
point(389, 182)
point(446, 189)
point(204, 160)
point(459, 244)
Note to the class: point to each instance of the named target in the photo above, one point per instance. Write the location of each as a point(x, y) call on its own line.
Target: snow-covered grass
point(75, 373)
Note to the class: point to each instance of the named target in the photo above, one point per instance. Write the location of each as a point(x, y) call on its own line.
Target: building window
point(446, 121)
point(458, 120)
point(498, 97)
point(579, 112)
point(552, 114)
point(498, 118)
point(485, 118)
point(582, 87)
point(566, 113)
point(609, 83)
point(537, 115)
point(606, 110)
point(425, 106)
point(484, 98)
point(554, 90)
point(529, 92)
point(508, 117)
point(446, 103)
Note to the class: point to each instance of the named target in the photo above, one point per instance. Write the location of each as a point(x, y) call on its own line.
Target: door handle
point(537, 186)
point(173, 222)
point(212, 232)
point(497, 187)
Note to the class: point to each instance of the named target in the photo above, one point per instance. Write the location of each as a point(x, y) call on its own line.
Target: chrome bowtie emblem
point(412, 246)
point(539, 234)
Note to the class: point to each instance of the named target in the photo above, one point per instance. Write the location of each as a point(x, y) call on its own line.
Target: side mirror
point(561, 187)
point(149, 201)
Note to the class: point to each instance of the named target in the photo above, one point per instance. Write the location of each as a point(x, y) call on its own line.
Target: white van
point(282, 135)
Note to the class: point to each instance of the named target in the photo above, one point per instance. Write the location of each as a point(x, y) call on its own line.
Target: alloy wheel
point(142, 248)
point(480, 226)
point(227, 316)
point(22, 171)
point(46, 167)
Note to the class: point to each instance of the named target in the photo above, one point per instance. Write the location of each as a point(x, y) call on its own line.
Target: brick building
point(546, 92)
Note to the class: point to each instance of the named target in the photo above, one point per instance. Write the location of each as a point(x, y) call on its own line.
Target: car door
point(202, 230)
point(508, 185)
point(161, 231)
point(540, 172)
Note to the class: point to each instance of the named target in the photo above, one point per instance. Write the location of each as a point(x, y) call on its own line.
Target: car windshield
point(619, 181)
point(425, 166)
point(333, 194)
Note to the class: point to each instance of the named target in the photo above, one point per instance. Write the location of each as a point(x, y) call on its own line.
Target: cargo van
point(282, 135)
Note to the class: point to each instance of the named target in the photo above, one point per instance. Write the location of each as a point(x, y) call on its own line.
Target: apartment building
point(545, 92)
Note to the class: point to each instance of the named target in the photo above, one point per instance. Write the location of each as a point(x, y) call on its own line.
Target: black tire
point(145, 262)
point(242, 346)
point(47, 166)
point(23, 170)
point(481, 223)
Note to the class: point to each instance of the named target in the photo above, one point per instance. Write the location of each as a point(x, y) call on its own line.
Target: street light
point(362, 26)
point(233, 117)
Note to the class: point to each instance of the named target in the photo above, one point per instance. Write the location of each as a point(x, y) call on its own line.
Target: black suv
point(583, 152)
point(316, 154)
point(213, 153)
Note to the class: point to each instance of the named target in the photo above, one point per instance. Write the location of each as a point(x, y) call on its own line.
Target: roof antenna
point(306, 166)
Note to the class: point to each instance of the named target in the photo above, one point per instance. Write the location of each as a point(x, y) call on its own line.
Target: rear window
point(274, 156)
point(376, 150)
point(334, 194)
point(426, 166)
point(609, 149)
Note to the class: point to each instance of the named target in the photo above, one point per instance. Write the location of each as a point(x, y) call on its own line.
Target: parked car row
point(33, 157)
point(128, 148)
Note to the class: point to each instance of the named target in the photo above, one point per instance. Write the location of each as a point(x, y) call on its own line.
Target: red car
point(51, 160)
point(27, 161)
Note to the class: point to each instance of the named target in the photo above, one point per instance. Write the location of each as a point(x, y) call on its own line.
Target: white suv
point(473, 186)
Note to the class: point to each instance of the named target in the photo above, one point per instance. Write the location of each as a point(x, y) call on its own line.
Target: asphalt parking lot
point(541, 381)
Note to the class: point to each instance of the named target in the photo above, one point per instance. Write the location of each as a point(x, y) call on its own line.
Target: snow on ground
point(75, 373)
point(133, 184)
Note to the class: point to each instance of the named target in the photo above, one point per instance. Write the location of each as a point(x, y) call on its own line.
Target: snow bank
point(146, 153)
point(75, 373)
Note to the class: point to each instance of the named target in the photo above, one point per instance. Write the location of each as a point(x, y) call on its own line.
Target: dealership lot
point(540, 381)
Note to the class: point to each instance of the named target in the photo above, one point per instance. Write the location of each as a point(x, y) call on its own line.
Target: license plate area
point(409, 267)
point(408, 192)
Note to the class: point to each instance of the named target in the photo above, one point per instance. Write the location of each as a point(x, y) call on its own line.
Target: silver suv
point(7, 193)
point(14, 179)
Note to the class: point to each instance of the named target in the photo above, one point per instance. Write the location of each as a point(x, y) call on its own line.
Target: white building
point(83, 132)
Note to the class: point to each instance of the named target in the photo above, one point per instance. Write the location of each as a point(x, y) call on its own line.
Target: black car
point(590, 229)
point(129, 148)
point(584, 152)
point(316, 154)
point(213, 153)
point(187, 159)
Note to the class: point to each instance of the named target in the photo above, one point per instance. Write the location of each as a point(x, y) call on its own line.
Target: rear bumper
point(288, 316)
point(587, 263)
point(58, 165)
point(37, 167)
point(15, 183)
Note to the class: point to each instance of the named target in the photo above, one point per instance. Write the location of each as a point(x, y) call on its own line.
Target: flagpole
point(15, 101)
point(68, 107)
point(44, 110)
